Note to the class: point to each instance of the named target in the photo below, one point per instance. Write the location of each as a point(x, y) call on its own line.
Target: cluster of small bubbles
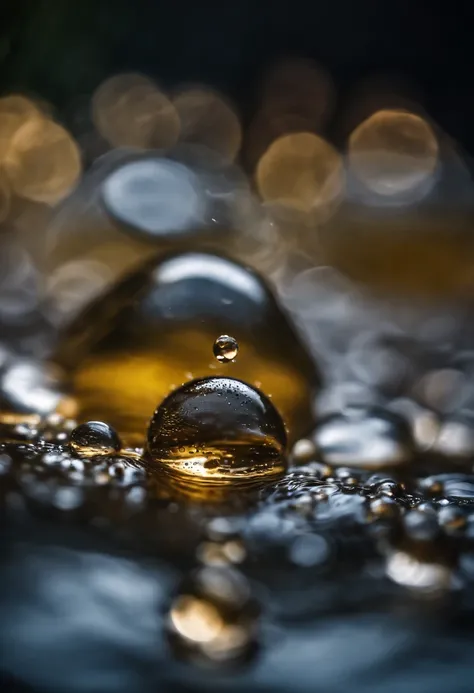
point(225, 348)
point(94, 438)
point(213, 620)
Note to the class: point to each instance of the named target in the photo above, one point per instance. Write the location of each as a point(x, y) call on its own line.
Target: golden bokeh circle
point(393, 151)
point(300, 171)
point(42, 163)
point(129, 110)
point(15, 111)
point(207, 119)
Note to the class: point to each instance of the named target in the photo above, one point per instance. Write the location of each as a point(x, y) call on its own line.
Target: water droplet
point(225, 348)
point(94, 438)
point(234, 444)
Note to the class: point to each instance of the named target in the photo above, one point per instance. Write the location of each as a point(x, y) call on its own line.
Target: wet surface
point(101, 581)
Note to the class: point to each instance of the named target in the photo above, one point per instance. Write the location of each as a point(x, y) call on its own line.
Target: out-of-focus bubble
point(443, 390)
point(71, 285)
point(43, 163)
point(206, 118)
point(393, 152)
point(19, 295)
point(130, 111)
point(423, 576)
point(267, 127)
point(214, 619)
point(15, 111)
point(300, 87)
point(154, 196)
point(301, 172)
point(30, 387)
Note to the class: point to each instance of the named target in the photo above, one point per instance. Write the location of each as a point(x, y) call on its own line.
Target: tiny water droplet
point(225, 348)
point(94, 438)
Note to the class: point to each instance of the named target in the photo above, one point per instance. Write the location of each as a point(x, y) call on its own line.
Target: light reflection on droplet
point(300, 171)
point(207, 119)
point(393, 152)
point(130, 111)
point(43, 162)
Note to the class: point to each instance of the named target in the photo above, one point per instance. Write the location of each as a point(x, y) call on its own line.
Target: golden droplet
point(130, 111)
point(15, 111)
point(393, 152)
point(300, 171)
point(207, 119)
point(43, 163)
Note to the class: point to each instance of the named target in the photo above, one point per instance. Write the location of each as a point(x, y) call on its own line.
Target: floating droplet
point(214, 618)
point(94, 438)
point(218, 431)
point(225, 348)
point(151, 329)
point(361, 437)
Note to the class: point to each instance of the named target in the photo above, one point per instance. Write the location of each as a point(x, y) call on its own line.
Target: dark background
point(62, 49)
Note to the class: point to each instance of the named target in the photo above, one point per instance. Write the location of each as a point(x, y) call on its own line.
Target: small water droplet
point(225, 348)
point(94, 438)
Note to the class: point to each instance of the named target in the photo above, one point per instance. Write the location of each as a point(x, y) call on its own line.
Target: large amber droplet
point(154, 331)
point(218, 430)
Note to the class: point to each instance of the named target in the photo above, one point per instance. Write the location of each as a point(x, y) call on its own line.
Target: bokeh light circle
point(300, 171)
point(43, 162)
point(207, 119)
point(129, 110)
point(393, 152)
